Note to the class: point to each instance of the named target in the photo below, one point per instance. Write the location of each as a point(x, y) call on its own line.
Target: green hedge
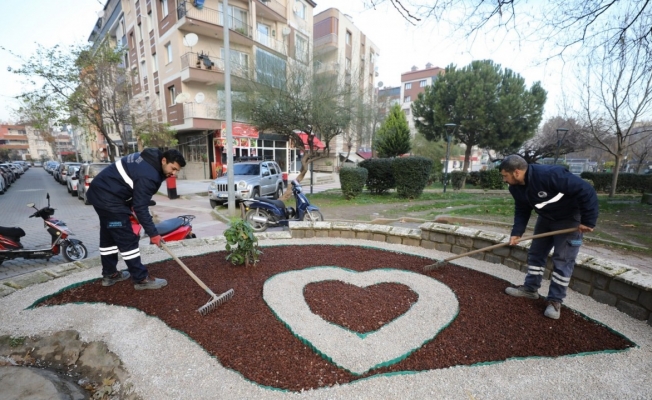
point(352, 181)
point(380, 178)
point(491, 179)
point(411, 174)
point(627, 183)
point(457, 179)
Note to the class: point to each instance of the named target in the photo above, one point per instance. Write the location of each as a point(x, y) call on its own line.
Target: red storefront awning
point(316, 143)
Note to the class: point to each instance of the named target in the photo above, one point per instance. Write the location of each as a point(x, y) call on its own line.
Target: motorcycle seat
point(12, 232)
point(169, 225)
point(276, 203)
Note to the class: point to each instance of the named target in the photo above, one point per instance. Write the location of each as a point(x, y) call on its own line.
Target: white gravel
point(166, 364)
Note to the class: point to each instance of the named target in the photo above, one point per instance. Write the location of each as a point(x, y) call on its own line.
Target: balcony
point(200, 67)
point(271, 43)
point(322, 67)
point(199, 116)
point(271, 9)
point(326, 43)
point(210, 22)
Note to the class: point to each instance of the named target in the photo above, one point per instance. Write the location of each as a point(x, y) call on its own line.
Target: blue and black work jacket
point(553, 193)
point(129, 182)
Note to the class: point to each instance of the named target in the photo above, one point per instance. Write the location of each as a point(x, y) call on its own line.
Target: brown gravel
point(244, 335)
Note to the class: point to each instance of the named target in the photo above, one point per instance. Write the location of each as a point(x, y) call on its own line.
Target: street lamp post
point(559, 141)
point(448, 126)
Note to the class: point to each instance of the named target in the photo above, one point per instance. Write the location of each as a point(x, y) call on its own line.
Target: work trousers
point(116, 235)
point(566, 247)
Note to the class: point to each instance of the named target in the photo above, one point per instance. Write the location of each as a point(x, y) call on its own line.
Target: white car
point(72, 179)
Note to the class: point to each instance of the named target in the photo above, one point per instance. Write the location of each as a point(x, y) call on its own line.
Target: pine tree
point(393, 136)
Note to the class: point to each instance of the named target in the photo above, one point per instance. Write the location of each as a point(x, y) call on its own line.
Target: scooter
point(70, 249)
point(262, 213)
point(171, 230)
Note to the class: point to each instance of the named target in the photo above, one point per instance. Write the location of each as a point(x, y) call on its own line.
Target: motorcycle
point(70, 249)
point(262, 213)
point(171, 230)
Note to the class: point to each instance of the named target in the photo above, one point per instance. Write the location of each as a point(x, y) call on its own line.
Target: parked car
point(252, 179)
point(3, 183)
point(62, 172)
point(86, 175)
point(9, 172)
point(72, 180)
point(38, 164)
point(50, 166)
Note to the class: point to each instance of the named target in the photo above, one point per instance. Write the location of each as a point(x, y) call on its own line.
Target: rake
point(540, 235)
point(216, 301)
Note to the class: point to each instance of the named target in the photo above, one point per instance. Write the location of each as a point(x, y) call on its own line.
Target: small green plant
point(16, 341)
point(241, 243)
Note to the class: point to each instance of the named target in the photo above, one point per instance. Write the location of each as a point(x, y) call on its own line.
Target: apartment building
point(341, 49)
point(175, 50)
point(413, 83)
point(25, 143)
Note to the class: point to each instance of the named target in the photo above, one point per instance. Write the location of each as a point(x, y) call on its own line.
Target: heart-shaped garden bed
point(245, 335)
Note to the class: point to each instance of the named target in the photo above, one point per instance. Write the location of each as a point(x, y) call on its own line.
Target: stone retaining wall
point(615, 284)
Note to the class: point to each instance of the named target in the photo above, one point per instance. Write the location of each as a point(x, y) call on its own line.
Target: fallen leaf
point(628, 226)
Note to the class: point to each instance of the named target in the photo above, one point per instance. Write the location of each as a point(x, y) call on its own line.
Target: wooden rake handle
point(188, 271)
point(540, 235)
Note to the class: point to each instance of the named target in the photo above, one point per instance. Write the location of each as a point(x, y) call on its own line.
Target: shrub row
point(627, 183)
point(408, 175)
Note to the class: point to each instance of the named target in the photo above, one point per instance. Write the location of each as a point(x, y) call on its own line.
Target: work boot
point(115, 278)
point(522, 291)
point(150, 283)
point(553, 310)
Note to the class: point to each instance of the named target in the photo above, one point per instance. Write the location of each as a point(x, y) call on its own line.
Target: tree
point(617, 94)
point(490, 107)
point(544, 144)
point(40, 115)
point(289, 98)
point(642, 149)
point(86, 86)
point(563, 24)
point(393, 136)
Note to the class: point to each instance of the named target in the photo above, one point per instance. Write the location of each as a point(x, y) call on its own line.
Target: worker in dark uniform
point(562, 200)
point(130, 183)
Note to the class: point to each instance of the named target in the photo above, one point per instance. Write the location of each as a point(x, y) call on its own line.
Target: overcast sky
point(401, 44)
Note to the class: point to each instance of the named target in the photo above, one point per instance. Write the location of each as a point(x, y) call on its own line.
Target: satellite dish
point(199, 98)
point(286, 31)
point(100, 13)
point(190, 40)
point(182, 98)
point(380, 84)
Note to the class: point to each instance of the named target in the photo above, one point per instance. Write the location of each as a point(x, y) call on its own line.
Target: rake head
point(433, 266)
point(216, 302)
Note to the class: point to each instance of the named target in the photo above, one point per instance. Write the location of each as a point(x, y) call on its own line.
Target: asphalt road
point(33, 187)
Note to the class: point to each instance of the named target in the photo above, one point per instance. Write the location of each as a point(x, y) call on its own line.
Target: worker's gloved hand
point(157, 240)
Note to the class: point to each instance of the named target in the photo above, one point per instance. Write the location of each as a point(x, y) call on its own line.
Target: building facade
point(23, 142)
point(343, 50)
point(175, 51)
point(413, 83)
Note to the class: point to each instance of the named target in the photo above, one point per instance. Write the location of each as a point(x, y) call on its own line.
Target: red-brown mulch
point(244, 335)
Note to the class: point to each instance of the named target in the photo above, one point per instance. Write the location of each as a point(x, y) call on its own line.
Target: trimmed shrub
point(491, 179)
point(380, 178)
point(411, 174)
point(473, 178)
point(457, 179)
point(352, 181)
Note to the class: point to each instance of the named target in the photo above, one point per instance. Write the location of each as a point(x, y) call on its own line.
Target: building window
point(168, 50)
point(407, 111)
point(300, 9)
point(407, 99)
point(301, 50)
point(193, 147)
point(154, 63)
point(347, 65)
point(140, 32)
point(408, 86)
point(164, 6)
point(143, 69)
point(173, 95)
point(150, 22)
point(349, 38)
point(239, 62)
point(422, 83)
point(237, 19)
point(372, 57)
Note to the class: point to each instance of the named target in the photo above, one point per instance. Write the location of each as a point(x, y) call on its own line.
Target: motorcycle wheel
point(257, 226)
point(312, 216)
point(74, 251)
